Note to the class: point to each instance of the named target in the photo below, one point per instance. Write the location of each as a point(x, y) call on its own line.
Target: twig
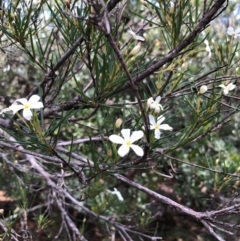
point(67, 55)
point(133, 85)
point(157, 196)
point(211, 231)
point(202, 24)
point(203, 217)
point(195, 165)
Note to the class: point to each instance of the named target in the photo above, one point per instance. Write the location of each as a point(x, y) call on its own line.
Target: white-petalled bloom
point(150, 101)
point(8, 109)
point(157, 126)
point(135, 36)
point(227, 88)
point(235, 33)
point(203, 89)
point(117, 193)
point(155, 104)
point(127, 142)
point(4, 110)
point(26, 106)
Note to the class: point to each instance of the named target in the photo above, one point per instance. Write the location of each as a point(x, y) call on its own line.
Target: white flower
point(227, 88)
point(232, 32)
point(10, 108)
point(157, 126)
point(135, 36)
point(7, 109)
point(26, 106)
point(4, 110)
point(155, 104)
point(127, 141)
point(117, 193)
point(203, 89)
point(150, 101)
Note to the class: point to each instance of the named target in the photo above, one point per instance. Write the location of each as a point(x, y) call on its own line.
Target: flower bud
point(118, 123)
point(109, 153)
point(143, 2)
point(203, 89)
point(149, 102)
point(92, 10)
point(135, 50)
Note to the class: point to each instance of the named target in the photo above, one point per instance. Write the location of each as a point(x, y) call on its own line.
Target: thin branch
point(197, 166)
point(211, 231)
point(203, 217)
point(79, 141)
point(67, 55)
point(161, 198)
point(202, 24)
point(132, 83)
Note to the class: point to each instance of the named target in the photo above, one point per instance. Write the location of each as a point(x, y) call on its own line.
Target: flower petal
point(166, 127)
point(160, 119)
point(36, 105)
point(150, 101)
point(135, 36)
point(116, 139)
point(126, 133)
point(27, 114)
point(15, 108)
point(5, 110)
point(225, 91)
point(157, 109)
point(152, 127)
point(22, 100)
point(152, 105)
point(136, 135)
point(237, 31)
point(118, 194)
point(151, 119)
point(231, 87)
point(230, 31)
point(131, 32)
point(157, 134)
point(34, 99)
point(222, 86)
point(137, 149)
point(157, 100)
point(140, 38)
point(123, 150)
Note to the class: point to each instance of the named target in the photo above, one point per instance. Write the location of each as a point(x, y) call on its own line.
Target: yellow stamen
point(128, 143)
point(26, 106)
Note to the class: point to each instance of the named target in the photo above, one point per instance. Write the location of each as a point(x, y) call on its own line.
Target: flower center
point(128, 143)
point(157, 127)
point(26, 106)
